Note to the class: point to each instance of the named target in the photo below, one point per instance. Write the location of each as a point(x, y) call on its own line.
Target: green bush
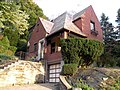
point(22, 45)
point(108, 60)
point(81, 51)
point(2, 49)
point(5, 42)
point(9, 53)
point(83, 86)
point(5, 57)
point(13, 49)
point(5, 47)
point(69, 69)
point(118, 61)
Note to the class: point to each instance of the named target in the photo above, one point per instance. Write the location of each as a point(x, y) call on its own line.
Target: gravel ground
point(46, 86)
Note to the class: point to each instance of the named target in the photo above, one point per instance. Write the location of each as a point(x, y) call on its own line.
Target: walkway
point(46, 86)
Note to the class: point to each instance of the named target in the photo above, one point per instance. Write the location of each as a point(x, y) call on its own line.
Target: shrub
point(2, 49)
point(22, 45)
point(5, 47)
point(118, 61)
point(5, 42)
point(5, 57)
point(80, 51)
point(9, 53)
point(13, 49)
point(69, 69)
point(83, 86)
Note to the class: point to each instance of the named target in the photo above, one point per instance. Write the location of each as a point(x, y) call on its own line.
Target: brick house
point(44, 40)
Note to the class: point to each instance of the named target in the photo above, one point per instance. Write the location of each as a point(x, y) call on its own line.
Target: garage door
point(54, 73)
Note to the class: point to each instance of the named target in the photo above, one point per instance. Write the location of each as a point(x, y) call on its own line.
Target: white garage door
point(54, 73)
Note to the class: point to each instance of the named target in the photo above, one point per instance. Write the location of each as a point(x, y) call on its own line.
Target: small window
point(53, 47)
point(35, 47)
point(92, 26)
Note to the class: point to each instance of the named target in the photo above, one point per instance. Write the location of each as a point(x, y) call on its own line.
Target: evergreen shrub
point(81, 51)
point(69, 69)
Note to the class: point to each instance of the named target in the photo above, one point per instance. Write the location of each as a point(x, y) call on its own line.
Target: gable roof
point(64, 21)
point(46, 24)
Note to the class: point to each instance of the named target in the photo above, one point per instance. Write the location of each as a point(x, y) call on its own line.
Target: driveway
point(46, 86)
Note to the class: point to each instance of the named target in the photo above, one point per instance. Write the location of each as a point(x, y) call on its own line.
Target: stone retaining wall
point(21, 72)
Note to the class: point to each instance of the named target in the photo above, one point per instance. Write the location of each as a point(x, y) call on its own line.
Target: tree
point(13, 21)
point(118, 19)
point(118, 26)
point(107, 27)
point(5, 47)
point(12, 17)
point(32, 9)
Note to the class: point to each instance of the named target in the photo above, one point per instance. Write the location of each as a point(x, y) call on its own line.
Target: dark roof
point(64, 21)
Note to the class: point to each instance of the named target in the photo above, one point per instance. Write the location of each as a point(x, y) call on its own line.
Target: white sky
point(53, 8)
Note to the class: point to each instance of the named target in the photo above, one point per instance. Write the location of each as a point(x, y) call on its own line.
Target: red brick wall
point(48, 54)
point(37, 34)
point(84, 24)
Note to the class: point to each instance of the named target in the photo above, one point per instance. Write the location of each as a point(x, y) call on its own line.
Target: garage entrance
point(54, 73)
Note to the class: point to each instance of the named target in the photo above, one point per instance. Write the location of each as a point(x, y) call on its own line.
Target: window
point(53, 47)
point(42, 49)
point(35, 47)
point(92, 26)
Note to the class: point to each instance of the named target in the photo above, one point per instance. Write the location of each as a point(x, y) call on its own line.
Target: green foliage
point(16, 16)
point(13, 49)
point(2, 49)
point(13, 36)
point(5, 57)
point(83, 86)
point(69, 69)
point(106, 60)
point(8, 52)
point(118, 20)
point(5, 47)
point(22, 44)
point(80, 51)
point(12, 17)
point(111, 55)
point(117, 84)
point(33, 10)
point(5, 42)
point(107, 27)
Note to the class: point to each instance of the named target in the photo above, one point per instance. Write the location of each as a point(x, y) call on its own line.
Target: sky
point(53, 8)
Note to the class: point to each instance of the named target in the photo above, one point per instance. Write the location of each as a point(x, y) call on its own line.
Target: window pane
point(52, 71)
point(57, 80)
point(57, 70)
point(57, 75)
point(52, 75)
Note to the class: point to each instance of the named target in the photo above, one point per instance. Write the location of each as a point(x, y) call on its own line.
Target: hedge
point(81, 51)
point(69, 69)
